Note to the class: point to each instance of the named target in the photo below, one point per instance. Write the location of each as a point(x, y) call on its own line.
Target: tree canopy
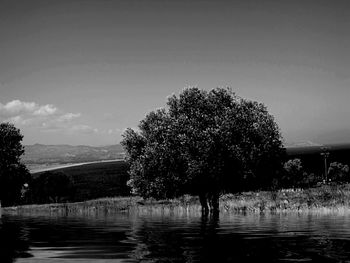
point(13, 174)
point(203, 143)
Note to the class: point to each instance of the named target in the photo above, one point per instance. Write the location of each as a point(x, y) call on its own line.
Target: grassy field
point(326, 198)
point(97, 180)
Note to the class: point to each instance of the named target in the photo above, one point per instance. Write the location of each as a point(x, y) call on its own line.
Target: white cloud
point(21, 108)
point(47, 118)
point(68, 117)
point(16, 107)
point(45, 110)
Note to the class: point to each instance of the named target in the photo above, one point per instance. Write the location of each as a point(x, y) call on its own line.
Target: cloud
point(86, 129)
point(16, 107)
point(17, 120)
point(23, 109)
point(46, 118)
point(45, 110)
point(68, 117)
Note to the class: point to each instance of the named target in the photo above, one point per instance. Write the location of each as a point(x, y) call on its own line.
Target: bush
point(52, 187)
point(293, 176)
point(338, 172)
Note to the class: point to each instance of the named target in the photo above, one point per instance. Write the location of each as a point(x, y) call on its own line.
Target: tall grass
point(111, 205)
point(325, 197)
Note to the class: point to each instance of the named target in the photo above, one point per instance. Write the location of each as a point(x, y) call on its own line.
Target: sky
point(80, 72)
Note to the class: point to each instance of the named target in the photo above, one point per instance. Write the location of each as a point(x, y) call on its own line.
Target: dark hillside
point(97, 179)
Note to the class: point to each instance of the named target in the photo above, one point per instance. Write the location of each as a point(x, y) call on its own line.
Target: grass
point(112, 205)
point(326, 198)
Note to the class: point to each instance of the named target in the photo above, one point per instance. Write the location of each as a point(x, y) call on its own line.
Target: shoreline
point(325, 199)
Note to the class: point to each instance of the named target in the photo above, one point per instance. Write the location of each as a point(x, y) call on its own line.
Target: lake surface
point(161, 237)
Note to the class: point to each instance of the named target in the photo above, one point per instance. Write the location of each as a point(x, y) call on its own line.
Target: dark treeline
point(13, 173)
point(313, 160)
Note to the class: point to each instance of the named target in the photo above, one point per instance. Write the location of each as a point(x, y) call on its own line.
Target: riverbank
point(331, 198)
point(112, 205)
point(323, 198)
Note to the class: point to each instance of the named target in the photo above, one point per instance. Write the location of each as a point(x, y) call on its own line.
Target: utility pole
point(325, 155)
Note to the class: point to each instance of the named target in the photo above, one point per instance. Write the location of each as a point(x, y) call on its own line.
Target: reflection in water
point(176, 238)
point(241, 238)
point(14, 241)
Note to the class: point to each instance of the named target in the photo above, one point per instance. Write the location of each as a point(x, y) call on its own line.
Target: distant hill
point(301, 144)
point(61, 154)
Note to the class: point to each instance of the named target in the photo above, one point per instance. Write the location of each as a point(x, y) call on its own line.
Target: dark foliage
point(51, 187)
point(313, 161)
point(295, 176)
point(338, 172)
point(13, 174)
point(313, 164)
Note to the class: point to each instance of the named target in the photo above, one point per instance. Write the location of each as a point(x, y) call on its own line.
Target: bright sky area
point(80, 72)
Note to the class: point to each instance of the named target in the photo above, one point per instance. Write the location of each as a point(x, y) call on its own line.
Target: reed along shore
point(331, 198)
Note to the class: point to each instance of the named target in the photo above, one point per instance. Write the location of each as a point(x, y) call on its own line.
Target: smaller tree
point(13, 174)
point(52, 187)
point(338, 172)
point(294, 174)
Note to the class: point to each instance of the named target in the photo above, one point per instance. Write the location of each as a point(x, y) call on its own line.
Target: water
point(157, 237)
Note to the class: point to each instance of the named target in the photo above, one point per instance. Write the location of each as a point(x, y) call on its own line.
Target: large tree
point(203, 143)
point(13, 174)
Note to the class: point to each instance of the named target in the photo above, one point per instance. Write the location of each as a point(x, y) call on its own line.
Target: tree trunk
point(204, 203)
point(214, 202)
point(209, 202)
